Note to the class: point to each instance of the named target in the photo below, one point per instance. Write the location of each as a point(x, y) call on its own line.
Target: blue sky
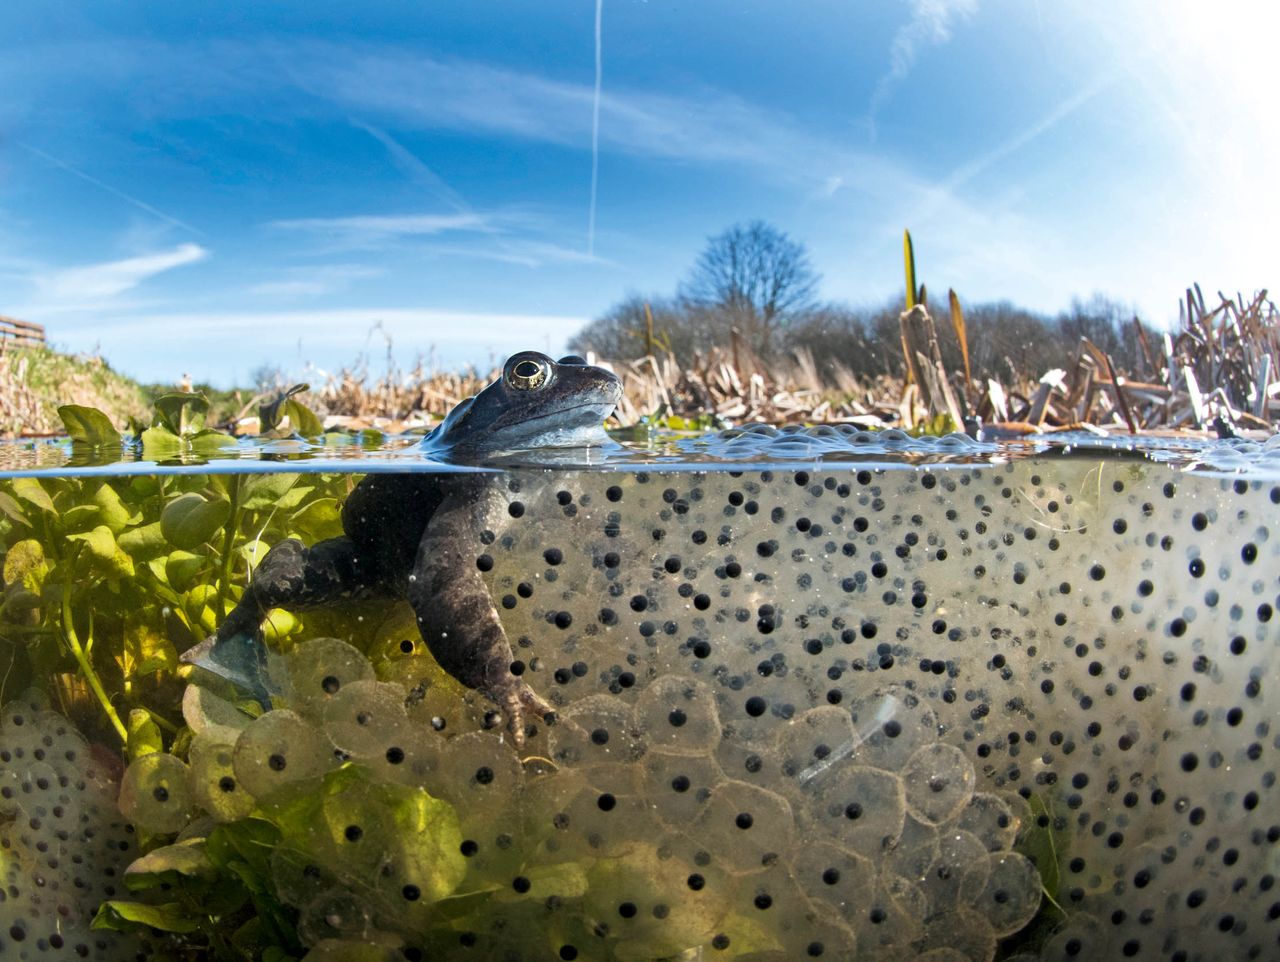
point(292, 183)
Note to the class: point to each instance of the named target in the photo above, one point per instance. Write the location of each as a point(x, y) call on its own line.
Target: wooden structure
point(16, 333)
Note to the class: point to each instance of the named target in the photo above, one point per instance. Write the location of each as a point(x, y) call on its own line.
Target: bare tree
point(753, 277)
point(622, 332)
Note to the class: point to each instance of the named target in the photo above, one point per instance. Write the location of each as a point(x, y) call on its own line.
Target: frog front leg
point(294, 577)
point(456, 614)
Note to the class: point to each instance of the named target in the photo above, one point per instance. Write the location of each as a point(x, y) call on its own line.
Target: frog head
point(537, 403)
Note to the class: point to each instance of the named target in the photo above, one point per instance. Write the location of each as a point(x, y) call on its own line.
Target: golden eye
point(527, 375)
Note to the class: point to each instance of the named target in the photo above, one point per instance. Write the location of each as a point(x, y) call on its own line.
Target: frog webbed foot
point(520, 703)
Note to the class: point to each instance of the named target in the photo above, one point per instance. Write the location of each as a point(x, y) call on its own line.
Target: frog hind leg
point(291, 576)
point(459, 621)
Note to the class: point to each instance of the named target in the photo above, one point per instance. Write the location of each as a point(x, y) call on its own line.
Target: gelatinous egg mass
point(960, 712)
point(64, 846)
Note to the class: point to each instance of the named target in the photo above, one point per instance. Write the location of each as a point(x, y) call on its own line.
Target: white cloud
point(378, 228)
point(92, 283)
point(930, 24)
point(299, 283)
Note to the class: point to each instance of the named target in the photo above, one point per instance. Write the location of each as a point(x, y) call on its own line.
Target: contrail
point(595, 136)
point(141, 205)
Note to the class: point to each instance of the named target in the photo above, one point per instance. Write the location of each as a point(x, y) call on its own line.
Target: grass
point(35, 380)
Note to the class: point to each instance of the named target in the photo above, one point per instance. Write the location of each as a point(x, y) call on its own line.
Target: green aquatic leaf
point(160, 444)
point(267, 490)
point(115, 514)
point(144, 736)
point(80, 518)
point(190, 520)
point(211, 444)
point(303, 420)
point(272, 412)
point(278, 625)
point(12, 510)
point(32, 491)
point(181, 413)
point(1044, 843)
point(89, 426)
point(24, 564)
point(146, 650)
point(320, 519)
point(104, 551)
point(123, 916)
point(145, 541)
point(169, 865)
point(182, 567)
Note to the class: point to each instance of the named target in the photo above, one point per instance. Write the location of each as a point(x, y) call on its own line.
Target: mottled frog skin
point(404, 535)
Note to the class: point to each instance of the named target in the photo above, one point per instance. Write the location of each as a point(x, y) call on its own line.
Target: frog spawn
point(1088, 643)
point(63, 845)
point(896, 677)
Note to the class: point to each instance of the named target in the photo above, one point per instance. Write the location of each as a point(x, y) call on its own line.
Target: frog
point(404, 537)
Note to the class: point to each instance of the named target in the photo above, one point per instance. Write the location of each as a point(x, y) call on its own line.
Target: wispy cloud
point(91, 284)
point(299, 283)
point(114, 191)
point(415, 168)
point(930, 24)
point(375, 229)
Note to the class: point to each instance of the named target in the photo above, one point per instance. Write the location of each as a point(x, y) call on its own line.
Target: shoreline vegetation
point(744, 339)
point(1218, 372)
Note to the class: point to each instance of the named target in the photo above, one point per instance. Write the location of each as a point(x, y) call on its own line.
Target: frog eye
point(528, 375)
point(572, 359)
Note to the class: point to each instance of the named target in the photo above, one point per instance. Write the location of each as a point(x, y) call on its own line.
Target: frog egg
point(443, 707)
point(859, 807)
point(653, 906)
point(156, 793)
point(961, 934)
point(597, 730)
point(207, 713)
point(280, 751)
point(1080, 936)
point(814, 743)
point(1012, 894)
point(771, 898)
point(844, 881)
point(913, 850)
point(605, 820)
point(958, 874)
point(743, 824)
point(948, 954)
point(318, 669)
point(63, 845)
point(362, 950)
point(678, 716)
point(891, 726)
point(989, 818)
point(938, 781)
point(334, 914)
point(893, 922)
point(367, 718)
point(297, 877)
point(678, 787)
point(481, 776)
point(214, 785)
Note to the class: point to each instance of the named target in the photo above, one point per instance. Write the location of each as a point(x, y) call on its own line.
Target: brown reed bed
point(1218, 372)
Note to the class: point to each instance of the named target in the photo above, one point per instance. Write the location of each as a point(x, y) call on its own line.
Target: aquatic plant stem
point(81, 656)
point(228, 546)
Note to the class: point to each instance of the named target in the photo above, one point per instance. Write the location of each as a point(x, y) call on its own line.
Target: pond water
point(817, 695)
